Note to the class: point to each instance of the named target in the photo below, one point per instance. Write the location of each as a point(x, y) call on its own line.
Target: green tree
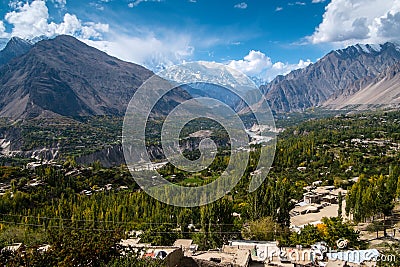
point(398, 188)
point(161, 235)
point(83, 247)
point(264, 229)
point(335, 229)
point(70, 248)
point(217, 224)
point(340, 202)
point(392, 256)
point(308, 236)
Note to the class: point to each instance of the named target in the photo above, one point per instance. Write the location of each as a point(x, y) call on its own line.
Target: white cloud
point(137, 2)
point(59, 3)
point(364, 21)
point(317, 1)
point(279, 8)
point(98, 6)
point(31, 19)
point(73, 26)
point(242, 5)
point(257, 64)
point(149, 50)
point(253, 63)
point(297, 4)
point(3, 33)
point(14, 4)
point(389, 25)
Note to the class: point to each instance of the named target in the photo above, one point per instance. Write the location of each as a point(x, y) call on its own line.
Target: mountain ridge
point(66, 77)
point(63, 76)
point(352, 67)
point(14, 48)
point(382, 91)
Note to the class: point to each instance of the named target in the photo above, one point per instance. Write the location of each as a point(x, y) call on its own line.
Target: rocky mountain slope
point(15, 47)
point(66, 77)
point(337, 75)
point(383, 91)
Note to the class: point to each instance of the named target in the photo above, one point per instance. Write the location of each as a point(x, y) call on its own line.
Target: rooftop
point(238, 257)
point(183, 243)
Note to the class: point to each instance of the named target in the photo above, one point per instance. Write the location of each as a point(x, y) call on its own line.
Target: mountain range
point(345, 78)
point(65, 77)
point(380, 91)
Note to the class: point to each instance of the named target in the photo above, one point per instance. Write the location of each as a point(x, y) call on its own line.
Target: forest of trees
point(73, 200)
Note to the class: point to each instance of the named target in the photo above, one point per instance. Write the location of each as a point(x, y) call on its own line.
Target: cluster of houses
point(5, 187)
point(244, 253)
point(240, 253)
point(321, 195)
point(315, 198)
point(327, 194)
point(318, 202)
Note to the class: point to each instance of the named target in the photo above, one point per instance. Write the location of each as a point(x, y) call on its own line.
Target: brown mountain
point(381, 92)
point(64, 76)
point(15, 47)
point(338, 75)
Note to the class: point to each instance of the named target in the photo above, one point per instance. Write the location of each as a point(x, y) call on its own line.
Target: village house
point(170, 254)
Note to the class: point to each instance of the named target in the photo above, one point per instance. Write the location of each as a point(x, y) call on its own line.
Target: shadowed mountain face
point(64, 76)
point(15, 47)
point(340, 73)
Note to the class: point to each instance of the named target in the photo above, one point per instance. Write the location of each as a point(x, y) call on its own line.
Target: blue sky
point(261, 38)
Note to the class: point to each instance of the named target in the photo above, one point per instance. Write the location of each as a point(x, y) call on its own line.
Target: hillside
point(383, 91)
point(338, 74)
point(66, 77)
